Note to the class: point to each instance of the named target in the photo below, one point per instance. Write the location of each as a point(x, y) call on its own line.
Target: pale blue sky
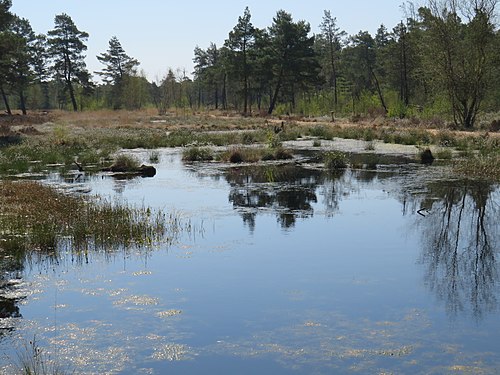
point(162, 34)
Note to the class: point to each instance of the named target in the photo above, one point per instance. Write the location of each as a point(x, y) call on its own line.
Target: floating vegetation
point(171, 352)
point(142, 273)
point(137, 301)
point(168, 313)
point(40, 218)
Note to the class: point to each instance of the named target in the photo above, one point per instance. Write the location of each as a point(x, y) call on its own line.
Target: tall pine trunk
point(22, 102)
point(6, 101)
point(276, 93)
point(72, 96)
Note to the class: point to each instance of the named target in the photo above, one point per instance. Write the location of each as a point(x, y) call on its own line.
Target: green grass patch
point(444, 154)
point(125, 163)
point(35, 217)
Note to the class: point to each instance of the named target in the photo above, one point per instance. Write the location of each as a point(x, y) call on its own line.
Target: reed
point(35, 217)
point(485, 167)
point(32, 360)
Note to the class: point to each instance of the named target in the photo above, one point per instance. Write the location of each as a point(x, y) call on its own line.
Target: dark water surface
point(287, 270)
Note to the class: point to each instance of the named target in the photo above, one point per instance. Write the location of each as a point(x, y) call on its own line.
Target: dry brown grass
point(483, 167)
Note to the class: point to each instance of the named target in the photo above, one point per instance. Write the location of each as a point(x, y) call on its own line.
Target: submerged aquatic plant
point(39, 218)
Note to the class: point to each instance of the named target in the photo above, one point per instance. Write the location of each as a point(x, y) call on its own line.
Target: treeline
point(442, 60)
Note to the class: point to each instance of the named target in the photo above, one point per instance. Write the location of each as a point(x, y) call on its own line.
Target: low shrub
point(193, 154)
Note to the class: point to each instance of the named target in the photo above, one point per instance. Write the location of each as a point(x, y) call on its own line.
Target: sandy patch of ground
point(355, 146)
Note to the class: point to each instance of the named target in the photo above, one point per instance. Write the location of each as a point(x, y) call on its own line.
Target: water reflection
point(292, 191)
point(11, 268)
point(458, 221)
point(287, 190)
point(338, 320)
point(460, 241)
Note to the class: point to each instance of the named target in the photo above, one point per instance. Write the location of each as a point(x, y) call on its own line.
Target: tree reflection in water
point(290, 191)
point(458, 222)
point(11, 269)
point(287, 190)
point(460, 241)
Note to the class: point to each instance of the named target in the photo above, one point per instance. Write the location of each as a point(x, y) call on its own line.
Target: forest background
point(440, 63)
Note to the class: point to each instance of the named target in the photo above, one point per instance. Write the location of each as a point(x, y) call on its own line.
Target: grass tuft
point(236, 156)
point(195, 153)
point(125, 163)
point(335, 160)
point(484, 167)
point(32, 360)
point(154, 157)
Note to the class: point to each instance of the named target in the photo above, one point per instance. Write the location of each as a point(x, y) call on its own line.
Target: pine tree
point(118, 68)
point(66, 47)
point(331, 40)
point(39, 61)
point(21, 73)
point(6, 46)
point(240, 42)
point(461, 54)
point(294, 62)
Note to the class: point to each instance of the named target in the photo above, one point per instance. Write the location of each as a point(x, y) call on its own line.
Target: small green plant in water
point(370, 146)
point(335, 160)
point(154, 157)
point(444, 154)
point(273, 140)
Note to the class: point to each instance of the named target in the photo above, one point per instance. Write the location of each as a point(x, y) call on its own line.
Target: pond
point(287, 269)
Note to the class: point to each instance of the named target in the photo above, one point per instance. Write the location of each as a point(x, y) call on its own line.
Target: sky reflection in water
point(290, 270)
